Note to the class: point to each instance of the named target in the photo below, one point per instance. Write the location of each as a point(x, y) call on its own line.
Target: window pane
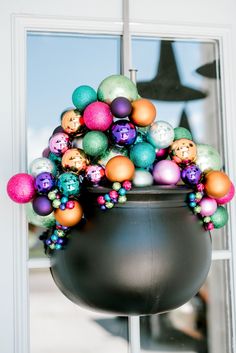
point(182, 80)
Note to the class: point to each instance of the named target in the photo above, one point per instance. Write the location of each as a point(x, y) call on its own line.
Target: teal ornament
point(39, 221)
point(160, 134)
point(68, 184)
point(83, 96)
point(141, 134)
point(110, 153)
point(208, 158)
point(42, 164)
point(142, 178)
point(220, 217)
point(95, 143)
point(182, 133)
point(142, 154)
point(117, 86)
point(54, 158)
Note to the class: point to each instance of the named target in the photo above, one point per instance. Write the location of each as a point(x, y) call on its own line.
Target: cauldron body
point(144, 257)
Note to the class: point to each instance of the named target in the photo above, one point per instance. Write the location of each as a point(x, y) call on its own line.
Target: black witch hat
point(184, 122)
point(210, 70)
point(166, 85)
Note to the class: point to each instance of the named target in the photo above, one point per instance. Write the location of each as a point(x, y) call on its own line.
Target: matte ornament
point(98, 116)
point(182, 133)
point(75, 160)
point(208, 206)
point(142, 178)
point(110, 153)
point(70, 216)
point(68, 184)
point(20, 188)
point(119, 168)
point(42, 164)
point(95, 174)
point(220, 217)
point(228, 197)
point(143, 112)
point(59, 143)
point(142, 154)
point(116, 86)
point(72, 123)
point(160, 134)
point(95, 143)
point(217, 184)
point(44, 182)
point(191, 175)
point(83, 96)
point(123, 133)
point(208, 158)
point(42, 205)
point(37, 220)
point(121, 107)
point(183, 151)
point(166, 172)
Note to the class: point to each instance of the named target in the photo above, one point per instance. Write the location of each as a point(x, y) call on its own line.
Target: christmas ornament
point(119, 168)
point(217, 184)
point(83, 96)
point(143, 112)
point(42, 205)
point(40, 165)
point(191, 175)
point(121, 107)
point(220, 217)
point(39, 221)
point(77, 142)
point(142, 178)
point(59, 143)
point(72, 123)
point(20, 188)
point(44, 182)
point(208, 158)
point(228, 197)
point(70, 216)
point(162, 153)
point(68, 184)
point(95, 143)
point(97, 116)
point(208, 206)
point(166, 173)
point(142, 154)
point(183, 151)
point(182, 133)
point(95, 174)
point(123, 133)
point(160, 134)
point(110, 153)
point(74, 160)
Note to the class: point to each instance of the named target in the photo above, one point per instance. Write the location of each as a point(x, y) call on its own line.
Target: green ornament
point(220, 217)
point(142, 154)
point(197, 209)
point(208, 158)
point(198, 196)
point(117, 86)
point(83, 96)
point(182, 133)
point(52, 195)
point(54, 158)
point(95, 143)
point(68, 184)
point(109, 204)
point(122, 199)
point(40, 221)
point(116, 186)
point(207, 219)
point(56, 203)
point(110, 153)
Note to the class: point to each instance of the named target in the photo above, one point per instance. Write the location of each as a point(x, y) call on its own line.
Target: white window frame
point(21, 25)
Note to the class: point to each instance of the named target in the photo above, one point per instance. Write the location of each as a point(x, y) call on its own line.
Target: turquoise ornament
point(68, 184)
point(54, 158)
point(208, 158)
point(39, 221)
point(83, 96)
point(220, 217)
point(117, 86)
point(142, 178)
point(95, 143)
point(182, 133)
point(142, 154)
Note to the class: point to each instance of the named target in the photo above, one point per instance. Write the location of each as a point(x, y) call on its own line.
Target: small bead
point(56, 203)
point(198, 196)
point(127, 185)
point(59, 233)
point(206, 219)
point(191, 196)
point(113, 194)
point(101, 200)
point(70, 205)
point(122, 192)
point(54, 238)
point(109, 204)
point(58, 196)
point(116, 186)
point(48, 242)
point(62, 206)
point(122, 199)
point(52, 246)
point(192, 204)
point(200, 187)
point(107, 197)
point(209, 226)
point(65, 227)
point(64, 199)
point(60, 241)
point(52, 195)
point(58, 246)
point(103, 207)
point(197, 209)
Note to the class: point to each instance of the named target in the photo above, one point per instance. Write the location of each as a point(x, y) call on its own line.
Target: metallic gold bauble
point(208, 158)
point(120, 168)
point(183, 151)
point(72, 122)
point(70, 216)
point(143, 112)
point(217, 184)
point(74, 160)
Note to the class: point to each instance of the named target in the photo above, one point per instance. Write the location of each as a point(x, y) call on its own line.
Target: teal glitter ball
point(83, 96)
point(68, 184)
point(95, 143)
point(220, 217)
point(182, 133)
point(142, 154)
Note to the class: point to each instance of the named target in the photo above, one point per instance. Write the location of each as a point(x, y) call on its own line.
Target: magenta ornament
point(208, 206)
point(20, 188)
point(228, 197)
point(166, 172)
point(59, 143)
point(98, 116)
point(162, 153)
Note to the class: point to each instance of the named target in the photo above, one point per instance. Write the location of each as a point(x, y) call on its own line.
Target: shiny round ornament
point(45, 153)
point(166, 172)
point(160, 134)
point(72, 123)
point(182, 133)
point(95, 174)
point(208, 206)
point(142, 154)
point(68, 184)
point(83, 96)
point(191, 175)
point(77, 142)
point(98, 116)
point(75, 160)
point(95, 143)
point(208, 158)
point(123, 133)
point(228, 197)
point(20, 188)
point(143, 112)
point(116, 86)
point(119, 168)
point(70, 216)
point(121, 107)
point(40, 165)
point(55, 159)
point(110, 153)
point(44, 182)
point(58, 128)
point(217, 184)
point(37, 220)
point(220, 217)
point(59, 143)
point(183, 151)
point(162, 153)
point(142, 178)
point(42, 205)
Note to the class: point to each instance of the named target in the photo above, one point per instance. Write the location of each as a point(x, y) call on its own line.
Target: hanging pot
point(146, 256)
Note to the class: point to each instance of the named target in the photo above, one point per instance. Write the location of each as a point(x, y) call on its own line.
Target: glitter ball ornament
point(98, 116)
point(143, 112)
point(110, 153)
point(95, 143)
point(220, 217)
point(183, 151)
point(75, 160)
point(208, 158)
point(37, 220)
point(228, 197)
point(73, 123)
point(142, 178)
point(142, 154)
point(70, 216)
point(116, 86)
point(44, 182)
point(166, 173)
point(119, 168)
point(208, 206)
point(95, 174)
point(68, 184)
point(20, 188)
point(160, 134)
point(40, 165)
point(123, 133)
point(182, 133)
point(42, 205)
point(83, 96)
point(121, 107)
point(59, 143)
point(191, 175)
point(217, 184)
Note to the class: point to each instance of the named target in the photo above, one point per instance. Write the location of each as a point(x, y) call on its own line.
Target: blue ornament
point(44, 182)
point(142, 154)
point(68, 184)
point(123, 133)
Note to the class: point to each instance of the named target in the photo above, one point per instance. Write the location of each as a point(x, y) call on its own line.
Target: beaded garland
point(80, 151)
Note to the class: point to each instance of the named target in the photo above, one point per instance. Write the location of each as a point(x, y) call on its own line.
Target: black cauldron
point(146, 256)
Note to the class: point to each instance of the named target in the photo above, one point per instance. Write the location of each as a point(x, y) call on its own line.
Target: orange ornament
point(217, 184)
point(70, 216)
point(72, 122)
point(143, 112)
point(119, 168)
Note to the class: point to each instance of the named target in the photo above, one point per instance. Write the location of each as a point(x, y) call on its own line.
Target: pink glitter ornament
point(101, 200)
point(113, 194)
point(127, 185)
point(166, 173)
point(70, 204)
point(208, 206)
point(98, 116)
point(228, 197)
point(20, 188)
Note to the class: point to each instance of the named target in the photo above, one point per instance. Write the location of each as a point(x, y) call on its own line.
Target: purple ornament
point(166, 172)
point(123, 133)
point(42, 205)
point(58, 129)
point(208, 206)
point(46, 152)
point(121, 107)
point(191, 174)
point(44, 182)
point(59, 143)
point(94, 174)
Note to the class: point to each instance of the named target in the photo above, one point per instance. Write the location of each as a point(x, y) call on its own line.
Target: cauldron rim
point(154, 189)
